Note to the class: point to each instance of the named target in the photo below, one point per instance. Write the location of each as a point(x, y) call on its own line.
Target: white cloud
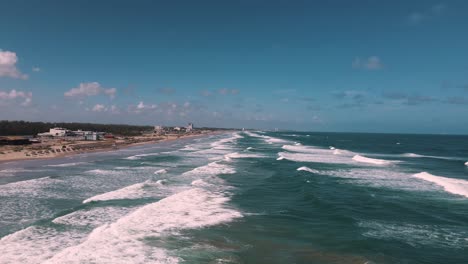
point(99, 108)
point(110, 92)
point(84, 89)
point(90, 89)
point(36, 69)
point(8, 68)
point(13, 96)
point(432, 12)
point(371, 63)
point(140, 107)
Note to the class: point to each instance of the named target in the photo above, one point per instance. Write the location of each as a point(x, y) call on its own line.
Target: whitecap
point(316, 155)
point(161, 171)
point(134, 191)
point(68, 164)
point(236, 155)
point(213, 168)
point(139, 156)
point(304, 168)
point(94, 217)
point(123, 241)
point(36, 244)
point(451, 185)
point(360, 158)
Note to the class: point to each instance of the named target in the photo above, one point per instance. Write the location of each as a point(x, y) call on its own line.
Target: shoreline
point(56, 150)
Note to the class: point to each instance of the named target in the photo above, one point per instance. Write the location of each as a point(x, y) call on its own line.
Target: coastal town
point(60, 141)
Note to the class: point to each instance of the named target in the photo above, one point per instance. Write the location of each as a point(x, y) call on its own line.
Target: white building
point(189, 128)
point(56, 132)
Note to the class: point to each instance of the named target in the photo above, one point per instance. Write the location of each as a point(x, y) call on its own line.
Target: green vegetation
point(17, 128)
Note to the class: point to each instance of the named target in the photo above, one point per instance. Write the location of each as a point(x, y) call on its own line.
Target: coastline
point(65, 149)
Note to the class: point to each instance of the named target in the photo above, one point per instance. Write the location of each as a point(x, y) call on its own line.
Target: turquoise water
point(246, 197)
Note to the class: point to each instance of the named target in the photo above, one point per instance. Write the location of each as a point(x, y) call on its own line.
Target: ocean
point(243, 197)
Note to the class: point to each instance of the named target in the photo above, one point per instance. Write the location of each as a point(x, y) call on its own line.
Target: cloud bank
point(8, 68)
point(90, 89)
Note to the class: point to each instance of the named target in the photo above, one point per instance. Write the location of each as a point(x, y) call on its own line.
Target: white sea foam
point(139, 156)
point(272, 140)
point(251, 134)
point(123, 168)
point(138, 190)
point(36, 244)
point(101, 172)
point(280, 158)
point(237, 155)
point(360, 158)
point(200, 183)
point(372, 177)
point(71, 164)
point(93, 217)
point(222, 144)
point(320, 155)
point(305, 149)
point(189, 147)
point(412, 155)
point(30, 188)
point(451, 185)
point(268, 139)
point(304, 168)
point(14, 171)
point(123, 241)
point(466, 163)
point(249, 148)
point(161, 171)
point(417, 235)
point(376, 177)
point(336, 152)
point(343, 152)
point(213, 168)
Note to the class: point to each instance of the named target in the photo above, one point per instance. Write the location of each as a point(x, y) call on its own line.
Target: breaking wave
point(451, 185)
point(134, 191)
point(123, 241)
point(308, 170)
point(360, 158)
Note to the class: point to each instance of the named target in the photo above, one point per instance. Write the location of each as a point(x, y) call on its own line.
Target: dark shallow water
point(250, 197)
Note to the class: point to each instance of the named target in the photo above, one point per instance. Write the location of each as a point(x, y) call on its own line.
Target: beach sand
point(59, 148)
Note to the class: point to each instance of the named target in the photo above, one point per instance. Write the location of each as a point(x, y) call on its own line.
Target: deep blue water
point(245, 197)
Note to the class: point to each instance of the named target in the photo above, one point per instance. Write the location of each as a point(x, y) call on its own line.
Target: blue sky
point(365, 66)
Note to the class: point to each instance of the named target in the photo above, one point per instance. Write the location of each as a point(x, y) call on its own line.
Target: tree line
point(23, 128)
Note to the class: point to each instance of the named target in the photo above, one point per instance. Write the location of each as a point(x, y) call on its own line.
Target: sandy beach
point(60, 148)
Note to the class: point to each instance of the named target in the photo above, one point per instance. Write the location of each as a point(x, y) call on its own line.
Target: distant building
point(189, 128)
point(56, 132)
point(177, 128)
point(72, 135)
point(92, 136)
